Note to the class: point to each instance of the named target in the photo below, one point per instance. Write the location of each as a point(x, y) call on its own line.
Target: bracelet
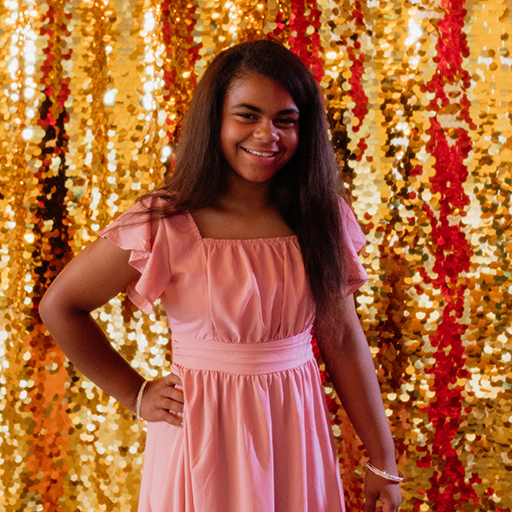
point(139, 400)
point(383, 474)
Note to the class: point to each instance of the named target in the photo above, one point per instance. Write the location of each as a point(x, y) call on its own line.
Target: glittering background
point(418, 95)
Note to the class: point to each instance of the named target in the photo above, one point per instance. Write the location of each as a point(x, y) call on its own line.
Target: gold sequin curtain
point(419, 101)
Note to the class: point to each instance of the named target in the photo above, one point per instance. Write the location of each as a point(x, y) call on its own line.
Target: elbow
point(46, 306)
point(52, 308)
point(58, 309)
point(57, 316)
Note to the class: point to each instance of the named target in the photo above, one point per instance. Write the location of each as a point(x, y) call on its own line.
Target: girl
point(248, 244)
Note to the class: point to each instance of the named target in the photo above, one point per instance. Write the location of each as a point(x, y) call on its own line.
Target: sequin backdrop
point(418, 94)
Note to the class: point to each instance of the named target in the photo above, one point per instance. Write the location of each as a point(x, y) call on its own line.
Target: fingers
point(174, 387)
point(370, 502)
point(380, 489)
point(172, 380)
point(388, 504)
point(391, 497)
point(163, 400)
point(166, 416)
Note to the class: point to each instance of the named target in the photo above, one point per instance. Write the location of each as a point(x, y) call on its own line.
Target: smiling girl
point(249, 245)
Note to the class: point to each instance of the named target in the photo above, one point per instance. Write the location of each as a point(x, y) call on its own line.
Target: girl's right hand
point(163, 400)
point(376, 489)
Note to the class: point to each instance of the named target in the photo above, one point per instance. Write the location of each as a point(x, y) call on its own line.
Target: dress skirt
point(256, 433)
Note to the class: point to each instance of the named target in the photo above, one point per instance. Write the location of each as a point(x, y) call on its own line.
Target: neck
point(245, 196)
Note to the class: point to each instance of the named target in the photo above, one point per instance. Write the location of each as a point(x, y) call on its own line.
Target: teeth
point(258, 153)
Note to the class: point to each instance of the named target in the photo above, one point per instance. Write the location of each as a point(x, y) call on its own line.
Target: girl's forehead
point(260, 88)
point(252, 78)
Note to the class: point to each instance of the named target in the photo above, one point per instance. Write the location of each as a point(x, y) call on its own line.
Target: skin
point(353, 375)
point(260, 129)
point(96, 275)
point(258, 115)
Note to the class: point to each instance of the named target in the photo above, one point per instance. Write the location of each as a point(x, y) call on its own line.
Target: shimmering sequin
point(418, 98)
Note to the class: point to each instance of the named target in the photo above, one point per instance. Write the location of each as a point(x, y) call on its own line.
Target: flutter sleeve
point(354, 241)
point(146, 238)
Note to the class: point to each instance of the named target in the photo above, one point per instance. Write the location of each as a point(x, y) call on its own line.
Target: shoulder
point(351, 225)
point(141, 228)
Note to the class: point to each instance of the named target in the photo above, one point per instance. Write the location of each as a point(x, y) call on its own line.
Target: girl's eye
point(244, 115)
point(286, 121)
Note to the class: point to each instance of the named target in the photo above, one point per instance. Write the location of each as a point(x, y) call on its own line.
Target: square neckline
point(271, 239)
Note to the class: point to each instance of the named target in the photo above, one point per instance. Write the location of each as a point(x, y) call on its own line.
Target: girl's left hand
point(376, 489)
point(163, 400)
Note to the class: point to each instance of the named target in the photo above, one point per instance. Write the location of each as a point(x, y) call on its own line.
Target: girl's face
point(260, 128)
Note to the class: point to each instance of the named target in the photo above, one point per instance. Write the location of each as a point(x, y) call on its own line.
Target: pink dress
point(257, 435)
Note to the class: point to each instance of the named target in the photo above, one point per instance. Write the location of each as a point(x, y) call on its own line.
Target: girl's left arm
point(350, 365)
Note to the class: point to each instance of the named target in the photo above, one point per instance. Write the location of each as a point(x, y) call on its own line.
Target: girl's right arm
point(348, 359)
point(91, 279)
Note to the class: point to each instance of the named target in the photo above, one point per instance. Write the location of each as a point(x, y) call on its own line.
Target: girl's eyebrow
point(258, 110)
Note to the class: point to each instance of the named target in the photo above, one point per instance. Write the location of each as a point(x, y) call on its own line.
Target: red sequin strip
point(304, 39)
point(452, 252)
point(357, 68)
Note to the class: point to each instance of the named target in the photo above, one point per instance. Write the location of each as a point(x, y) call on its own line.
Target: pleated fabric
point(256, 434)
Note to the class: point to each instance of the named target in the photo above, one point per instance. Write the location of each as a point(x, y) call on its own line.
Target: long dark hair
point(306, 191)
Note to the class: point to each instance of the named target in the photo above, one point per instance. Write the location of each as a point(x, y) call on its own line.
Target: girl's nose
point(266, 132)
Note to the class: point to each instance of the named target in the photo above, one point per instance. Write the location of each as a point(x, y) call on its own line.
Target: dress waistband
point(242, 358)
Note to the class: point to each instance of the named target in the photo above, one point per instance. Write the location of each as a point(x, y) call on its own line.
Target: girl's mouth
point(265, 154)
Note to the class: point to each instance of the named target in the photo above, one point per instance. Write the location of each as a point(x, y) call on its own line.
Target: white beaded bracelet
point(383, 474)
point(139, 400)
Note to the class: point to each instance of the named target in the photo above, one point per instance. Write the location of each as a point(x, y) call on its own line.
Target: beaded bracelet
point(383, 474)
point(139, 400)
